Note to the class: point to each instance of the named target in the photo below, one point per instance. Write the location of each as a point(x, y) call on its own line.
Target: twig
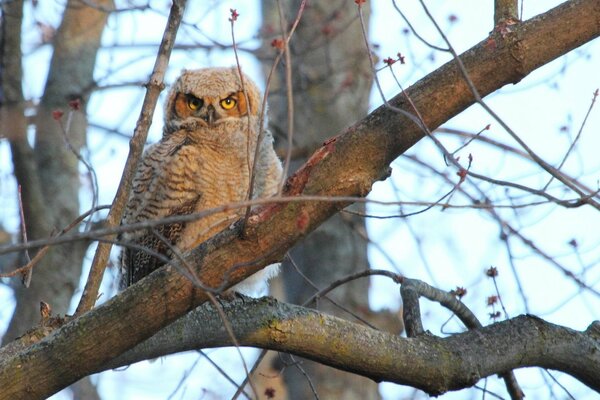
point(26, 279)
point(185, 375)
point(413, 118)
point(306, 376)
point(225, 374)
point(251, 168)
point(316, 297)
point(412, 289)
point(242, 385)
point(65, 129)
point(417, 117)
point(585, 198)
point(289, 93)
point(361, 274)
point(492, 272)
point(560, 385)
point(414, 31)
point(264, 106)
point(25, 269)
point(136, 145)
point(504, 225)
point(510, 149)
point(572, 146)
point(209, 292)
point(108, 231)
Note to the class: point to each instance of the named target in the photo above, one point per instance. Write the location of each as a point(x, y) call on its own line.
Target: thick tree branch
point(345, 165)
point(444, 364)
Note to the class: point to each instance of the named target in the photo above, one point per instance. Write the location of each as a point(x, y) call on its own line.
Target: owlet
point(204, 160)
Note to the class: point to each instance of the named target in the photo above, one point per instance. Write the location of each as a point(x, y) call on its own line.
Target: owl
point(204, 160)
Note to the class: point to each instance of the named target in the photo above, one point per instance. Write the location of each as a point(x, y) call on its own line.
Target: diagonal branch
point(154, 86)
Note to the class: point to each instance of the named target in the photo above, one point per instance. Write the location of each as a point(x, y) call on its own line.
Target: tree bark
point(435, 365)
point(331, 79)
point(54, 204)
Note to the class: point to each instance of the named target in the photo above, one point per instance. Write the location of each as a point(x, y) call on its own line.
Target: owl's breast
point(220, 178)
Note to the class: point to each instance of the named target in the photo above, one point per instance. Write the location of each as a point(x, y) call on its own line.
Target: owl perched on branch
point(204, 160)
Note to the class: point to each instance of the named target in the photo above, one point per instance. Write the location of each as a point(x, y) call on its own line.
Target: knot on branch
point(594, 330)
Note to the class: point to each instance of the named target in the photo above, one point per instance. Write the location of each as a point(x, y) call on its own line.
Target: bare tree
point(164, 313)
point(327, 76)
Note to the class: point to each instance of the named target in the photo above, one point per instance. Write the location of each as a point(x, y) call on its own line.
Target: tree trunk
point(48, 173)
point(53, 204)
point(331, 79)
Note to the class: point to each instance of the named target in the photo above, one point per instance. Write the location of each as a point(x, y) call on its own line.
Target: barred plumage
point(203, 160)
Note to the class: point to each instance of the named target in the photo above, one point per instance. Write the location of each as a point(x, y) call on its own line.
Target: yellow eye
point(194, 103)
point(228, 103)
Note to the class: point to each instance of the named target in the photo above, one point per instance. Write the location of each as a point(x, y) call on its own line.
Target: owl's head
point(209, 95)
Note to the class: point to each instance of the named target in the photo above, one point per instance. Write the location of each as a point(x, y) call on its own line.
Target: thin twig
point(414, 31)
point(226, 324)
point(27, 273)
point(585, 198)
point(225, 374)
point(185, 375)
point(108, 231)
point(357, 275)
point(289, 93)
point(574, 142)
point(413, 118)
point(263, 110)
point(38, 256)
point(65, 129)
point(154, 87)
point(315, 299)
point(493, 276)
point(241, 386)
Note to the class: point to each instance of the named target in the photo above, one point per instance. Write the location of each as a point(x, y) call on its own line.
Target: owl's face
point(210, 95)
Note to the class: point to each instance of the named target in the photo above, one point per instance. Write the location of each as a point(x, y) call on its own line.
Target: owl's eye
point(194, 103)
point(228, 103)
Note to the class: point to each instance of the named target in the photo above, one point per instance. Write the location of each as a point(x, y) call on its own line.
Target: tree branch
point(346, 165)
point(136, 147)
point(450, 363)
point(506, 11)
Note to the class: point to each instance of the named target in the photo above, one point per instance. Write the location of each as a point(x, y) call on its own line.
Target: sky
point(446, 248)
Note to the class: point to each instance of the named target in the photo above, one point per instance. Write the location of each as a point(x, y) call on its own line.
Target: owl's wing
point(269, 169)
point(163, 186)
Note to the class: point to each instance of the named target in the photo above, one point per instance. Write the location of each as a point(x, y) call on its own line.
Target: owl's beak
point(210, 115)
